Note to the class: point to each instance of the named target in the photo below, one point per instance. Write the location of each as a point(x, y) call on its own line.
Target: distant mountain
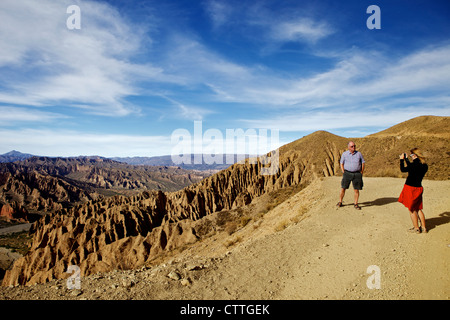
point(222, 161)
point(14, 156)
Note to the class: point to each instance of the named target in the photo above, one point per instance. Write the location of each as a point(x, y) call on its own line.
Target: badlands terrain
point(242, 235)
point(39, 185)
point(305, 248)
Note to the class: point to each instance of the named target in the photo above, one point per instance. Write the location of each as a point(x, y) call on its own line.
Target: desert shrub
point(231, 241)
point(245, 220)
point(231, 227)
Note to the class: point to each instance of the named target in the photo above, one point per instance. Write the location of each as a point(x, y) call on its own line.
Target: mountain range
point(165, 160)
point(39, 185)
point(14, 156)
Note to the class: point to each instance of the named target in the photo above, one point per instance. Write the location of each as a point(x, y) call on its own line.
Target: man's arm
point(363, 162)
point(342, 162)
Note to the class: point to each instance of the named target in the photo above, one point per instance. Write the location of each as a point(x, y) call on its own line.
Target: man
point(352, 167)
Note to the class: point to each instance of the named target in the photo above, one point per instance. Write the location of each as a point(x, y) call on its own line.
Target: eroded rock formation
point(124, 232)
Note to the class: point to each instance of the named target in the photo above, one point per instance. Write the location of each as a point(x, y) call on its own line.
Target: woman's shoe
point(414, 230)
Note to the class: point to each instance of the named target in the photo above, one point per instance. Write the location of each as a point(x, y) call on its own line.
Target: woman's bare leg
point(414, 219)
point(422, 221)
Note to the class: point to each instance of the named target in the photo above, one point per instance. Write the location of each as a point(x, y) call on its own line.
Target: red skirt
point(411, 197)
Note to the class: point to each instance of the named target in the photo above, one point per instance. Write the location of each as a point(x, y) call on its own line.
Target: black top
point(416, 170)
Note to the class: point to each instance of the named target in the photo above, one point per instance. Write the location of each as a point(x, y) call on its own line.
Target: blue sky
point(136, 71)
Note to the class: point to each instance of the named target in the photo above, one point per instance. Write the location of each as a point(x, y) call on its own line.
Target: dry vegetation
point(16, 242)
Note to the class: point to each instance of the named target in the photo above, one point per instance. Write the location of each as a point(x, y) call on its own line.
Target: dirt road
point(16, 228)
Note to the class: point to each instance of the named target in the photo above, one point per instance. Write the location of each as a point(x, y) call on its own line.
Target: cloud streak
point(367, 121)
point(271, 25)
point(303, 29)
point(52, 65)
point(357, 77)
point(52, 142)
point(12, 116)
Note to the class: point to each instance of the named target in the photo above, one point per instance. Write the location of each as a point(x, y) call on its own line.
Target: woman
point(411, 195)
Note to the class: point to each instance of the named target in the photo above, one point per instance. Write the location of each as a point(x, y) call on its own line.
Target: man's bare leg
point(356, 196)
point(341, 195)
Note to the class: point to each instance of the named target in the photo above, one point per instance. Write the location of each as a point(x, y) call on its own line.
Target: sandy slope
point(326, 255)
point(319, 253)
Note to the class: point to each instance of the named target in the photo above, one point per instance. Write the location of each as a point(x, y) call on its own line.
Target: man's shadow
point(378, 202)
point(443, 218)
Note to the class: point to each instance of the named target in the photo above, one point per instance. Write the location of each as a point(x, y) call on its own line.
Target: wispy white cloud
point(272, 27)
point(191, 62)
point(367, 90)
point(52, 65)
point(342, 119)
point(370, 89)
point(11, 116)
point(192, 113)
point(57, 142)
point(219, 12)
point(360, 77)
point(426, 69)
point(51, 142)
point(300, 30)
point(357, 76)
point(367, 77)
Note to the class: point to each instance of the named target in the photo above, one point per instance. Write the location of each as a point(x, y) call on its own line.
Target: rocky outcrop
point(13, 212)
point(7, 258)
point(35, 192)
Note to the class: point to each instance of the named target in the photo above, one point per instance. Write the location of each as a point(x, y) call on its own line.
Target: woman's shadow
point(443, 218)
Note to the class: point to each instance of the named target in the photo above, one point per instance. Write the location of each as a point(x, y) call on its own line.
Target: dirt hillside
point(304, 248)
